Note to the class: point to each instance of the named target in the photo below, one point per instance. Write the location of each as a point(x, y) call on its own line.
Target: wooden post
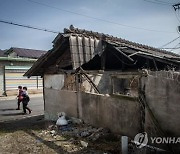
point(155, 65)
point(4, 81)
point(77, 76)
point(103, 61)
point(44, 99)
point(103, 57)
point(37, 82)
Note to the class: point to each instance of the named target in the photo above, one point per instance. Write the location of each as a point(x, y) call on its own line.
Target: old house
point(13, 64)
point(24, 53)
point(111, 82)
point(1, 53)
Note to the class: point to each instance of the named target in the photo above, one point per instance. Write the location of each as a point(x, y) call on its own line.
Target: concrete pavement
point(8, 107)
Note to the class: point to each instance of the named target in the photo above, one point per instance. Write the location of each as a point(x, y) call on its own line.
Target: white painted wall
point(54, 81)
point(12, 54)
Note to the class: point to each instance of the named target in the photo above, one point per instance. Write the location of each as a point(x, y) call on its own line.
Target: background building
point(13, 64)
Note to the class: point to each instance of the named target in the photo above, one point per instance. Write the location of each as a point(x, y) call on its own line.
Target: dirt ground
point(36, 136)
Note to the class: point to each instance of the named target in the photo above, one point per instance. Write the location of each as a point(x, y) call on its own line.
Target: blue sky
point(136, 13)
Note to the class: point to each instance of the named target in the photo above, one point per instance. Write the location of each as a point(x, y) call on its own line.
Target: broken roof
point(109, 38)
point(26, 53)
point(85, 45)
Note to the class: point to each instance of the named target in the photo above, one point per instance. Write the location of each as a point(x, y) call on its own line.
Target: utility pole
point(176, 6)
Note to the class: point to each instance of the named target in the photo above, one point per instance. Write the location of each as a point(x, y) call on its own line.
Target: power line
point(174, 48)
point(28, 26)
point(103, 20)
point(169, 42)
point(163, 2)
point(176, 15)
point(158, 2)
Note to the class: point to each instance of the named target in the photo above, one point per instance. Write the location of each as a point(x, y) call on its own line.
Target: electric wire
point(28, 26)
point(169, 42)
point(177, 17)
point(174, 48)
point(95, 18)
point(163, 2)
point(157, 2)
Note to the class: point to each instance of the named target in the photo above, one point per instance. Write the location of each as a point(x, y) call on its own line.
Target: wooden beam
point(155, 65)
point(123, 54)
point(155, 57)
point(103, 61)
point(89, 80)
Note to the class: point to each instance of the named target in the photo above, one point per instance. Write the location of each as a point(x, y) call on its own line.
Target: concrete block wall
point(59, 101)
point(119, 115)
point(162, 91)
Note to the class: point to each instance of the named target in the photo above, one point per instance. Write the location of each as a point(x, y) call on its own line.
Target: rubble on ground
point(46, 137)
point(83, 135)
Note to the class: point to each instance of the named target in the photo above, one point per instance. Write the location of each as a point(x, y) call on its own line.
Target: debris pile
point(78, 136)
point(77, 129)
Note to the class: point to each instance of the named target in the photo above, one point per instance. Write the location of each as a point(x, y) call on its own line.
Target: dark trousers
point(25, 103)
point(18, 103)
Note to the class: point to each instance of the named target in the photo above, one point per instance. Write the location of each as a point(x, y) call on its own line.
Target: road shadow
point(28, 125)
point(7, 109)
point(12, 114)
point(21, 124)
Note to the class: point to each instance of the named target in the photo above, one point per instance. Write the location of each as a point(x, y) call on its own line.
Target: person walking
point(19, 97)
point(25, 100)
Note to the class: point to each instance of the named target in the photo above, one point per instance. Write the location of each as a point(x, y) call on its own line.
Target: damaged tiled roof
point(26, 53)
point(117, 40)
point(85, 45)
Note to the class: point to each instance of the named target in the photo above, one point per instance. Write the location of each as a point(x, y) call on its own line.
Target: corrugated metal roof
point(120, 41)
point(26, 53)
point(83, 49)
point(84, 45)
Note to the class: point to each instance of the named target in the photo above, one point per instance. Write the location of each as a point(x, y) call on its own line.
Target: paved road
point(8, 109)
